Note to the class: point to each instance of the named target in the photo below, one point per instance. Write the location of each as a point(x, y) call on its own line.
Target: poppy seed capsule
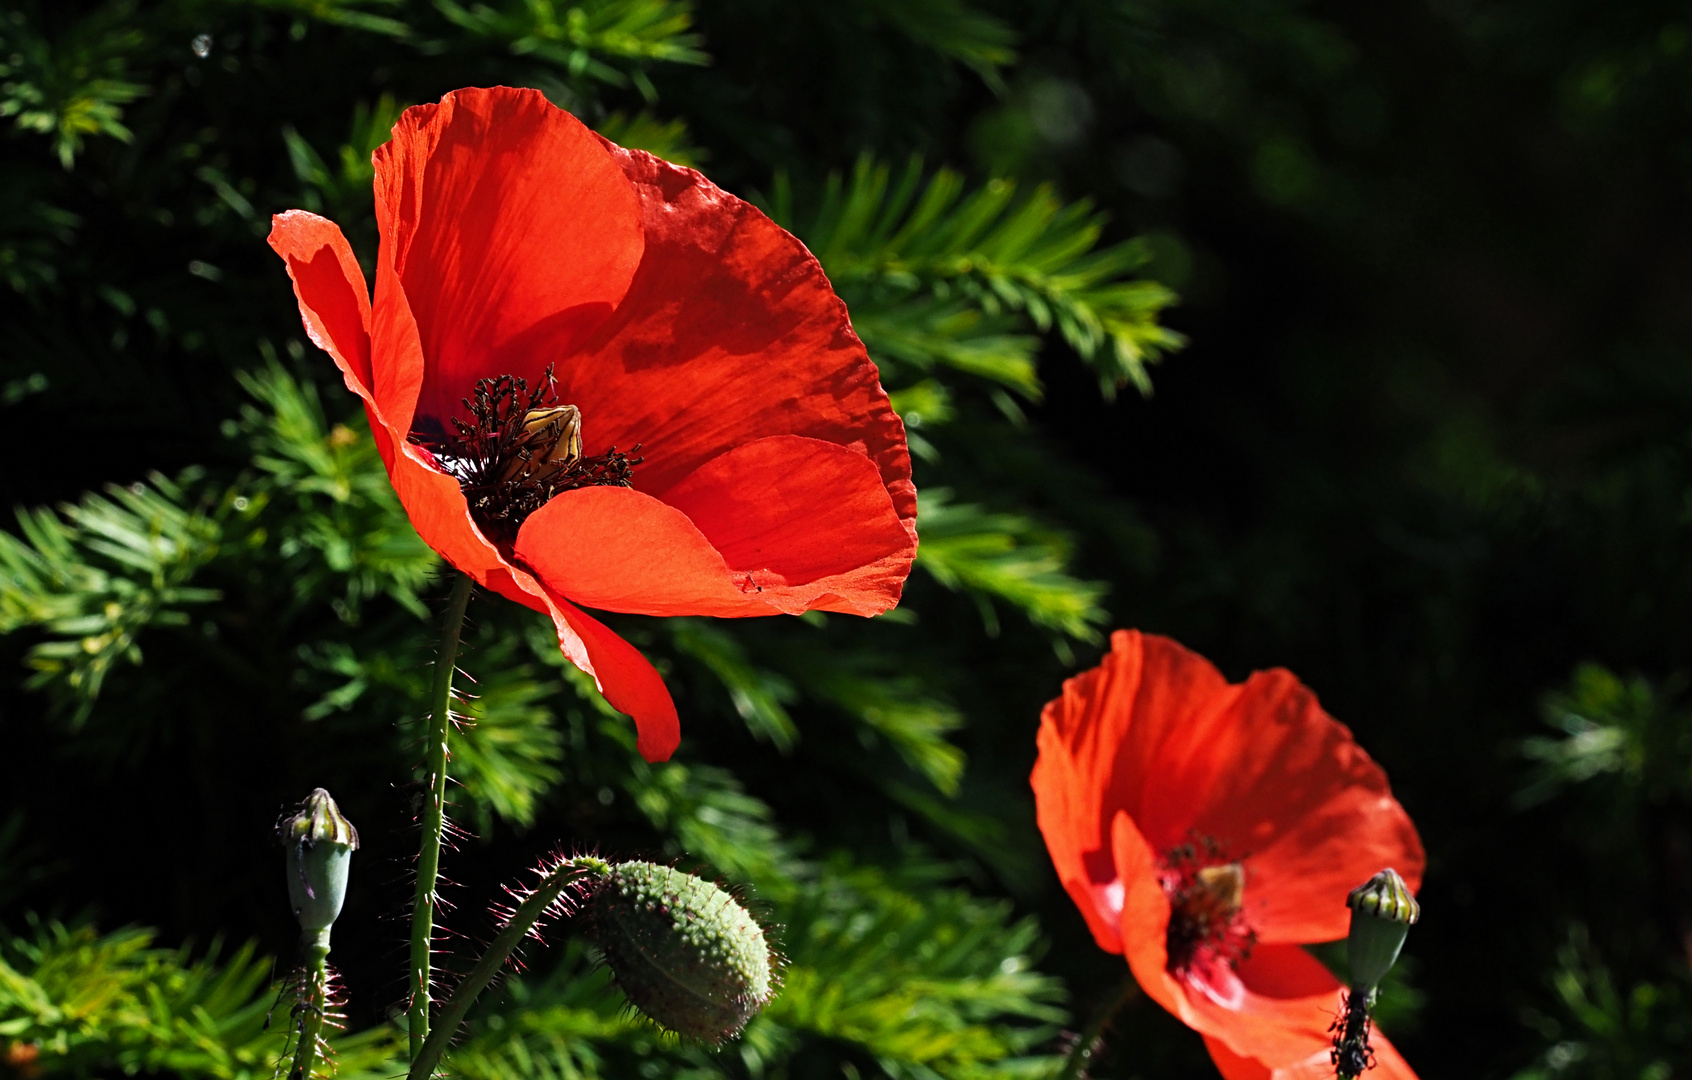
point(1382, 912)
point(550, 439)
point(319, 842)
point(684, 951)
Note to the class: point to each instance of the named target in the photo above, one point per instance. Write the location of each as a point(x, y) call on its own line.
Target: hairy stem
point(434, 813)
point(1087, 1043)
point(309, 1025)
point(470, 987)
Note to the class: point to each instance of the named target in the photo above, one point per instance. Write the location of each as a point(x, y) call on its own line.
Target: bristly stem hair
point(1087, 1044)
point(311, 1014)
point(546, 898)
point(434, 813)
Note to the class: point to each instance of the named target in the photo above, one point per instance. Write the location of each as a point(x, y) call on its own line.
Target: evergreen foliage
point(1419, 435)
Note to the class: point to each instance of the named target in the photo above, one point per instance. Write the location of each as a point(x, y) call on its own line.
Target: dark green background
point(1427, 447)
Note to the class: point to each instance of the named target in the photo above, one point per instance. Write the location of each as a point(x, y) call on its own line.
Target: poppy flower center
point(518, 450)
point(1206, 895)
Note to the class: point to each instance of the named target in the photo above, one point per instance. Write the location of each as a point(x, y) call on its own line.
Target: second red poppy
point(1207, 831)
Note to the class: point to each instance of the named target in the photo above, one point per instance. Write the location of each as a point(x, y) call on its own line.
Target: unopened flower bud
point(1382, 912)
point(319, 842)
point(686, 953)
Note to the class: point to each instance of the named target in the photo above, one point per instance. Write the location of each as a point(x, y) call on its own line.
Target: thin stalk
point(470, 987)
point(1087, 1045)
point(434, 814)
point(311, 1011)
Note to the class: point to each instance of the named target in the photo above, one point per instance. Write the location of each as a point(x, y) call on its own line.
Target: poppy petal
point(729, 333)
point(623, 550)
point(1305, 844)
point(1319, 1065)
point(803, 518)
point(627, 679)
point(1144, 920)
point(338, 315)
point(512, 230)
point(796, 515)
point(1284, 1014)
point(1169, 740)
point(1079, 743)
point(334, 299)
point(433, 500)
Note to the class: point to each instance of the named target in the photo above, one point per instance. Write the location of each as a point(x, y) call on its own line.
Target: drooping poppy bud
point(686, 953)
point(1382, 912)
point(319, 842)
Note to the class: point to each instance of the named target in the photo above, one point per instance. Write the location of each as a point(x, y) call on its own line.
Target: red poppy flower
point(1208, 830)
point(544, 298)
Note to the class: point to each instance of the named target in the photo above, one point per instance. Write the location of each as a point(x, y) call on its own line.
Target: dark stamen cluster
point(518, 450)
point(1352, 1055)
point(1204, 890)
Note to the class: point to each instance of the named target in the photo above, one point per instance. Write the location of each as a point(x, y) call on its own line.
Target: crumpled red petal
point(513, 232)
point(337, 313)
point(729, 333)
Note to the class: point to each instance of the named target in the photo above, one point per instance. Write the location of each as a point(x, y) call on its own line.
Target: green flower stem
point(310, 1023)
point(471, 986)
point(1087, 1045)
point(434, 814)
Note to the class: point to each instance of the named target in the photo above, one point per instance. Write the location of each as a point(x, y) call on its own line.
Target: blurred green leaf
point(75, 86)
point(606, 40)
point(93, 575)
point(668, 139)
point(89, 1002)
point(904, 251)
point(325, 505)
point(1010, 558)
point(1610, 726)
point(953, 29)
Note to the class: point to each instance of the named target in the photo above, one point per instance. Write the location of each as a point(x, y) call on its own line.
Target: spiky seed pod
point(319, 842)
point(1382, 912)
point(683, 950)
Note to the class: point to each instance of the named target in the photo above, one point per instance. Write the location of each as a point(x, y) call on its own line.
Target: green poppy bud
point(319, 842)
point(1382, 912)
point(683, 950)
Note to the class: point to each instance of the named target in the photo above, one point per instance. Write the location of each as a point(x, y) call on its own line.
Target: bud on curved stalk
point(1382, 912)
point(557, 892)
point(318, 841)
point(686, 953)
